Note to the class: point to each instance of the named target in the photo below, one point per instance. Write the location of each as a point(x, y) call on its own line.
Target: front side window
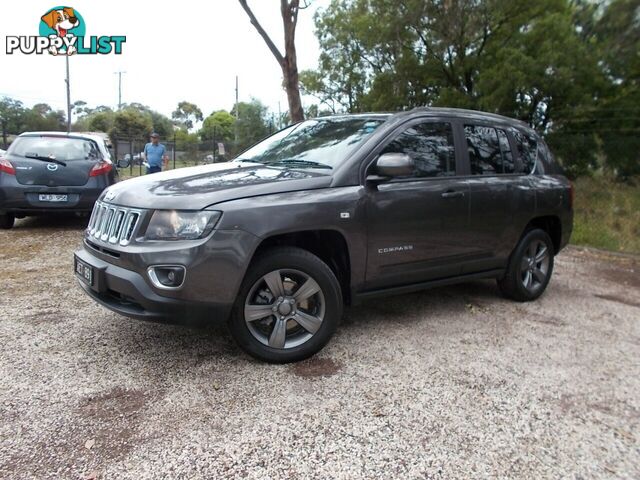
point(430, 145)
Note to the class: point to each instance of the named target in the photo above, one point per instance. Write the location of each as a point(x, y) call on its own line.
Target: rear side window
point(508, 165)
point(485, 156)
point(430, 144)
point(527, 150)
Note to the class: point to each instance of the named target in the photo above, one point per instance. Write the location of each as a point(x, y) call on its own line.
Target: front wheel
point(288, 307)
point(6, 221)
point(530, 267)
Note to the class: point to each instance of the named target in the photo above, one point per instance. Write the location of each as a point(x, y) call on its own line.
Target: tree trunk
point(4, 135)
point(288, 62)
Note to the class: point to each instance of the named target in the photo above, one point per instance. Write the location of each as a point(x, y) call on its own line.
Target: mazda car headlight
point(181, 225)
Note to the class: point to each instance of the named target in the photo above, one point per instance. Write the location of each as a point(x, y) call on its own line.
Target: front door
point(416, 225)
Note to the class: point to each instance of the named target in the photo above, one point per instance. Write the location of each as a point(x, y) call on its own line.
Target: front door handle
point(452, 194)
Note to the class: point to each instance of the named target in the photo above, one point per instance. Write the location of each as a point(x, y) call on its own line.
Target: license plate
point(52, 197)
point(84, 272)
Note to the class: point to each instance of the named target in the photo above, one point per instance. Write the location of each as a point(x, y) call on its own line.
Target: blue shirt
point(154, 154)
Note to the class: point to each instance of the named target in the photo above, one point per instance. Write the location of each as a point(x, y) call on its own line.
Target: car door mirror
point(394, 165)
point(123, 163)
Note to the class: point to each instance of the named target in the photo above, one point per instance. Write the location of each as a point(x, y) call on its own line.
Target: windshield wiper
point(247, 160)
point(45, 159)
point(301, 163)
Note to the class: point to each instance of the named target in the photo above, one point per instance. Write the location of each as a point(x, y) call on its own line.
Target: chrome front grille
point(112, 224)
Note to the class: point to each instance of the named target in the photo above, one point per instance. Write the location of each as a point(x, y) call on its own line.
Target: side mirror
point(395, 165)
point(123, 163)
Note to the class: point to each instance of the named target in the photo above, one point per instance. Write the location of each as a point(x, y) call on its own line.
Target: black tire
point(295, 261)
point(6, 221)
point(525, 283)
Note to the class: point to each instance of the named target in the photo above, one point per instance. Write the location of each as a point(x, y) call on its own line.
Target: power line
point(237, 114)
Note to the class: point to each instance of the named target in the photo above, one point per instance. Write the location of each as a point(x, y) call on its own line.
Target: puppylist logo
point(62, 32)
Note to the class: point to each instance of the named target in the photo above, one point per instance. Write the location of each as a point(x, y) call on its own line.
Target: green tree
point(252, 124)
point(41, 117)
point(101, 119)
point(11, 117)
point(224, 124)
point(79, 108)
point(188, 144)
point(536, 60)
point(218, 126)
point(187, 113)
point(617, 117)
point(132, 124)
point(162, 125)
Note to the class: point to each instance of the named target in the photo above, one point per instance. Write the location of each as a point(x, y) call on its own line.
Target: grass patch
point(137, 170)
point(607, 215)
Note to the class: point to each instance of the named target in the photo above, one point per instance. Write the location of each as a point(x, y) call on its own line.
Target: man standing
point(155, 154)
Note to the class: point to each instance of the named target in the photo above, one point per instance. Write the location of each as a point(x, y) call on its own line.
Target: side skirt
point(383, 292)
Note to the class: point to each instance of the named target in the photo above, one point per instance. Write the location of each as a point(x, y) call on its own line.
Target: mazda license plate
point(52, 197)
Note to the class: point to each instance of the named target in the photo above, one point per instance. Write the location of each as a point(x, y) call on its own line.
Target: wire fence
point(180, 154)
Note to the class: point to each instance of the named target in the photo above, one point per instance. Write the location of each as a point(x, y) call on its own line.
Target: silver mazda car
point(53, 172)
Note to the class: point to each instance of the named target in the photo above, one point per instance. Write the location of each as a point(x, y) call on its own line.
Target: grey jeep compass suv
point(329, 212)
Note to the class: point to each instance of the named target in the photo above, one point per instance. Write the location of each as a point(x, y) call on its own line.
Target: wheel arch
point(327, 244)
point(550, 224)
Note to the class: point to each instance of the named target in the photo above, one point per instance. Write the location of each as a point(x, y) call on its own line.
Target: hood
point(195, 188)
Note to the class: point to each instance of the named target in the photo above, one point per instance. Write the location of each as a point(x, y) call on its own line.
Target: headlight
point(181, 225)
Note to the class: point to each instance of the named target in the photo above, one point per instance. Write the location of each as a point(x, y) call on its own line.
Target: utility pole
point(68, 96)
point(214, 144)
point(119, 73)
point(237, 115)
point(279, 117)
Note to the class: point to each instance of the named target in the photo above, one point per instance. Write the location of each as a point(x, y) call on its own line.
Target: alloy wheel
point(534, 266)
point(284, 308)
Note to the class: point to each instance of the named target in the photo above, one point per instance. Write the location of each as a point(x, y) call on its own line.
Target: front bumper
point(127, 293)
point(214, 267)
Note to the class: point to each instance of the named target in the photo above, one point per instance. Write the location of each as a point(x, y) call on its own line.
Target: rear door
point(71, 160)
point(416, 225)
point(497, 195)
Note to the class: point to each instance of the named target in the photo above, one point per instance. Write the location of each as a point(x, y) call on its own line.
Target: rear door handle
point(452, 194)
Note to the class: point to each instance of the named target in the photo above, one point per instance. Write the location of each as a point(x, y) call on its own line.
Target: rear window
point(58, 148)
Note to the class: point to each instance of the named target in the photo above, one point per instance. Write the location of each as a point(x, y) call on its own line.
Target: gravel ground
point(449, 383)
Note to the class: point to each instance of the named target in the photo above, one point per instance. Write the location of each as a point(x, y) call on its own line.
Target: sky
point(188, 50)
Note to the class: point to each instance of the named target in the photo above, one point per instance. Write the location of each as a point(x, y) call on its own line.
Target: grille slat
point(112, 224)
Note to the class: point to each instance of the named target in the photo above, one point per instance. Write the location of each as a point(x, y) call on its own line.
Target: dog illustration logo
point(61, 20)
point(62, 31)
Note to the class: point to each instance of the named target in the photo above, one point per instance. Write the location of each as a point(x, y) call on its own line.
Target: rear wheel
point(288, 307)
point(530, 267)
point(6, 221)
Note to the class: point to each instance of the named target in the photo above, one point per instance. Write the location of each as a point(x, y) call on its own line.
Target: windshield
point(319, 143)
point(58, 148)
